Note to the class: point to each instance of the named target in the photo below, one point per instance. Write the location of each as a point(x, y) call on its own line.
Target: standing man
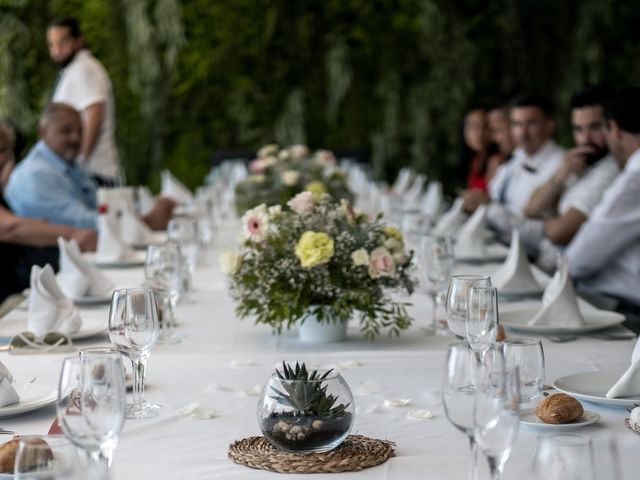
point(84, 84)
point(604, 256)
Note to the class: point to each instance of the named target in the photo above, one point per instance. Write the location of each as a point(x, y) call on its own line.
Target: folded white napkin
point(414, 193)
point(115, 199)
point(629, 384)
point(173, 188)
point(133, 230)
point(145, 200)
point(111, 248)
point(452, 220)
point(402, 182)
point(77, 277)
point(8, 394)
point(515, 275)
point(470, 238)
point(432, 200)
point(49, 309)
point(559, 302)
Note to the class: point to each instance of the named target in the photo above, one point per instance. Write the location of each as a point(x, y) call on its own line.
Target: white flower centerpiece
point(319, 261)
point(278, 174)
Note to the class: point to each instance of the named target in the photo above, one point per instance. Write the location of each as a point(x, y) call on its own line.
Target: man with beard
point(556, 209)
point(604, 256)
point(84, 84)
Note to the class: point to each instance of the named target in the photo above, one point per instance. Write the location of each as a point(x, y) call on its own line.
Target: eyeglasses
point(26, 342)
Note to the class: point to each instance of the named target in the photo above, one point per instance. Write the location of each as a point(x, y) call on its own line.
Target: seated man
point(558, 208)
point(604, 256)
point(534, 161)
point(50, 185)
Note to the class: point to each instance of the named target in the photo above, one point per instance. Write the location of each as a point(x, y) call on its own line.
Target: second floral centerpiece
point(320, 263)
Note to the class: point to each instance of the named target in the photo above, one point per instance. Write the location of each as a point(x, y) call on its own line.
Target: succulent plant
point(306, 394)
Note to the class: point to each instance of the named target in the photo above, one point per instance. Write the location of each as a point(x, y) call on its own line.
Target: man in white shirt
point(84, 84)
point(604, 256)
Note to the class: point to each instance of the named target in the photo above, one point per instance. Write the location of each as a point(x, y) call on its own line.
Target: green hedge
point(392, 77)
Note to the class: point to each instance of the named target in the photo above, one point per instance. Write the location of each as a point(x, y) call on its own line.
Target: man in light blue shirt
point(48, 184)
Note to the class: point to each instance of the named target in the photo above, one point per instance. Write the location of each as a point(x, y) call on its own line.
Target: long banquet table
point(222, 360)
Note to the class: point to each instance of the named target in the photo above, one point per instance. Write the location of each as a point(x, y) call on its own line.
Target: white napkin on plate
point(515, 275)
point(77, 277)
point(559, 302)
point(115, 199)
point(173, 188)
point(629, 384)
point(146, 200)
point(133, 230)
point(403, 180)
point(8, 394)
point(49, 309)
point(111, 248)
point(452, 220)
point(432, 200)
point(470, 238)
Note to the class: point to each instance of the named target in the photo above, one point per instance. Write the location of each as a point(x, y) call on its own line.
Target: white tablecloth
point(411, 366)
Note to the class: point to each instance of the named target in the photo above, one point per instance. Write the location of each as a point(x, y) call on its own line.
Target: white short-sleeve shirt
point(516, 180)
point(85, 82)
point(584, 192)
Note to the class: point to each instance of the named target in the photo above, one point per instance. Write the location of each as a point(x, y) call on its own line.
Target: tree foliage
point(391, 77)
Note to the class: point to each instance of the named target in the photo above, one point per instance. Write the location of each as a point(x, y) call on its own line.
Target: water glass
point(183, 231)
point(527, 355)
point(458, 395)
point(435, 260)
point(51, 458)
point(163, 273)
point(482, 317)
point(496, 409)
point(133, 330)
point(457, 301)
point(91, 405)
point(564, 456)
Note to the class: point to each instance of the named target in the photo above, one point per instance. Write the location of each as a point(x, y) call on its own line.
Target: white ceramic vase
point(313, 331)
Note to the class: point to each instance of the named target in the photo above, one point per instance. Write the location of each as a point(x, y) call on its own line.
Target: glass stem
point(99, 465)
point(473, 466)
point(494, 468)
point(172, 309)
point(138, 381)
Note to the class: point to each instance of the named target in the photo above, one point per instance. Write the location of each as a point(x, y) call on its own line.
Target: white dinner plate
point(593, 386)
point(515, 295)
point(493, 253)
point(530, 420)
point(32, 397)
point(156, 238)
point(93, 323)
point(517, 320)
point(95, 300)
point(91, 327)
point(137, 261)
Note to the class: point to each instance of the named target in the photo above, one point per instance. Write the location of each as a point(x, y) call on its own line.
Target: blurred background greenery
point(388, 77)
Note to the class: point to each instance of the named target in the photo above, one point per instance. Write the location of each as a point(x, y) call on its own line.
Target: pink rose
point(257, 166)
point(299, 151)
point(381, 263)
point(302, 202)
point(325, 157)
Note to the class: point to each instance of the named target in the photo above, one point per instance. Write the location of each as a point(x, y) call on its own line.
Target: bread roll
point(9, 449)
point(559, 408)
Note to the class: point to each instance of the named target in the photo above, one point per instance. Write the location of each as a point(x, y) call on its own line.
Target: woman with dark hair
point(479, 157)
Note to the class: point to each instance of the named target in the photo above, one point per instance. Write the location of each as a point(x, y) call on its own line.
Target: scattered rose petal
point(196, 411)
point(241, 363)
point(369, 388)
point(216, 387)
point(253, 391)
point(397, 402)
point(420, 414)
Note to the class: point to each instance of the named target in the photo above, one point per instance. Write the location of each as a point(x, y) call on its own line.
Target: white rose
point(290, 177)
point(302, 202)
point(360, 257)
point(274, 210)
point(392, 244)
point(400, 257)
point(268, 150)
point(298, 151)
point(230, 262)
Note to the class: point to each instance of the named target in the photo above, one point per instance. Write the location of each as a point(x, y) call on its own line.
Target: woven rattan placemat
point(357, 452)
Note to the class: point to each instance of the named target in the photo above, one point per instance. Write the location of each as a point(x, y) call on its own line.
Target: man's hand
point(87, 239)
point(574, 162)
point(160, 214)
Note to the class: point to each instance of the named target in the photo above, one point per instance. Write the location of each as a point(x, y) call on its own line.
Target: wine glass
point(183, 231)
point(163, 272)
point(458, 395)
point(52, 457)
point(528, 356)
point(457, 300)
point(436, 261)
point(482, 316)
point(91, 405)
point(133, 330)
point(564, 456)
point(496, 412)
